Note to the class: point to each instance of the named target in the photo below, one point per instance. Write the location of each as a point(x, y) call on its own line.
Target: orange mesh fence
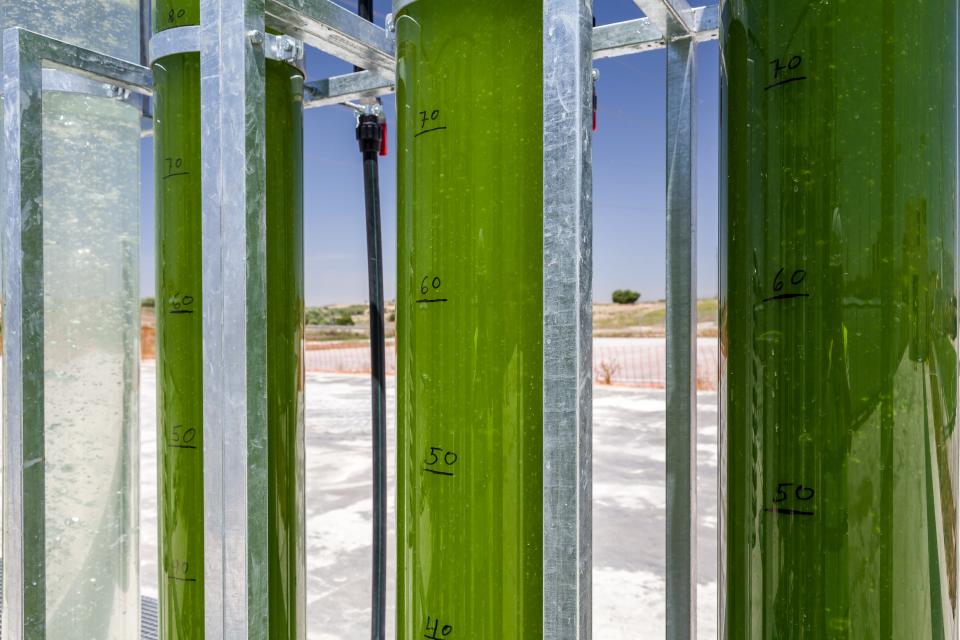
point(640, 362)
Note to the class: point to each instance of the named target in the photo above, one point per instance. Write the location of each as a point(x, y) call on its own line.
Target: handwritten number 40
point(779, 67)
point(444, 630)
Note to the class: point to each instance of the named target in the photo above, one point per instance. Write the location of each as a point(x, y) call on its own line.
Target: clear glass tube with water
point(91, 330)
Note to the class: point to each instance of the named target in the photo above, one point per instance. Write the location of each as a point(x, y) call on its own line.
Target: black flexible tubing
point(369, 136)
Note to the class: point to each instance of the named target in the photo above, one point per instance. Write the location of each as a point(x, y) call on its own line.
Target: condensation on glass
point(91, 330)
point(839, 319)
point(470, 329)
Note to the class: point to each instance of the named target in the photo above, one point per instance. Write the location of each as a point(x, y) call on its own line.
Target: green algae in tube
point(180, 348)
point(179, 345)
point(469, 342)
point(839, 319)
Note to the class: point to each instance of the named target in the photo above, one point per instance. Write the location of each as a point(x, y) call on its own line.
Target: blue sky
point(629, 177)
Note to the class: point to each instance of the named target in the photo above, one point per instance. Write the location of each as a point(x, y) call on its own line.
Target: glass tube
point(179, 339)
point(91, 360)
point(839, 319)
point(470, 308)
point(91, 330)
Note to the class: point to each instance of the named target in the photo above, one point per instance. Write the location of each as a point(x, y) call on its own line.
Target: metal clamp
point(187, 40)
point(170, 42)
point(285, 49)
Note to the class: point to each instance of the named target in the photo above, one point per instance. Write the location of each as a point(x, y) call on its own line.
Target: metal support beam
point(25, 54)
point(681, 340)
point(671, 17)
point(637, 36)
point(567, 323)
point(232, 87)
point(347, 88)
point(609, 41)
point(334, 30)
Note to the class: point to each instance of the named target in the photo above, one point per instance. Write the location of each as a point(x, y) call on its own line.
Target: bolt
point(596, 74)
point(256, 37)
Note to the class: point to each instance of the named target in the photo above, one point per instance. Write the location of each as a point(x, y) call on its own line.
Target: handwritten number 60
point(424, 288)
point(796, 279)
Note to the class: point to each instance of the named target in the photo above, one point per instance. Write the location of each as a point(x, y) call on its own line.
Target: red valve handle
point(595, 102)
point(384, 146)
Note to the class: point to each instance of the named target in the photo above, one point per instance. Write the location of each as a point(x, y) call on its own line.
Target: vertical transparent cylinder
point(180, 332)
point(91, 330)
point(839, 319)
point(91, 360)
point(470, 329)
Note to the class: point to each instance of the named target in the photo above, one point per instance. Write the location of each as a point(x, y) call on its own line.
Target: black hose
point(365, 11)
point(369, 136)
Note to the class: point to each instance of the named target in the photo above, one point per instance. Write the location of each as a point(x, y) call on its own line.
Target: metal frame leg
point(24, 541)
point(681, 341)
point(234, 344)
point(567, 320)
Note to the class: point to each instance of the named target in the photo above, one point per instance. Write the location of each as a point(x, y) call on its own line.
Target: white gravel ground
point(629, 499)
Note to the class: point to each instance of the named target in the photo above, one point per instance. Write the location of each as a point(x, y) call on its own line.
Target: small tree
point(625, 296)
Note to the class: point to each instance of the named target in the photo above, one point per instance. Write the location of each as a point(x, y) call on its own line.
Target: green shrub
point(343, 321)
point(625, 296)
point(149, 303)
point(315, 316)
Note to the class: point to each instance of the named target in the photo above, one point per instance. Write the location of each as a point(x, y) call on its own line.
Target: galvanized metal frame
point(334, 30)
point(609, 41)
point(25, 54)
point(681, 29)
point(669, 16)
point(187, 40)
point(643, 34)
point(232, 88)
point(681, 341)
point(347, 88)
point(234, 45)
point(567, 319)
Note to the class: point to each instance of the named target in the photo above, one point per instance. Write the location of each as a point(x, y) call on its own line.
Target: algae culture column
point(839, 319)
point(91, 330)
point(180, 330)
point(469, 301)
